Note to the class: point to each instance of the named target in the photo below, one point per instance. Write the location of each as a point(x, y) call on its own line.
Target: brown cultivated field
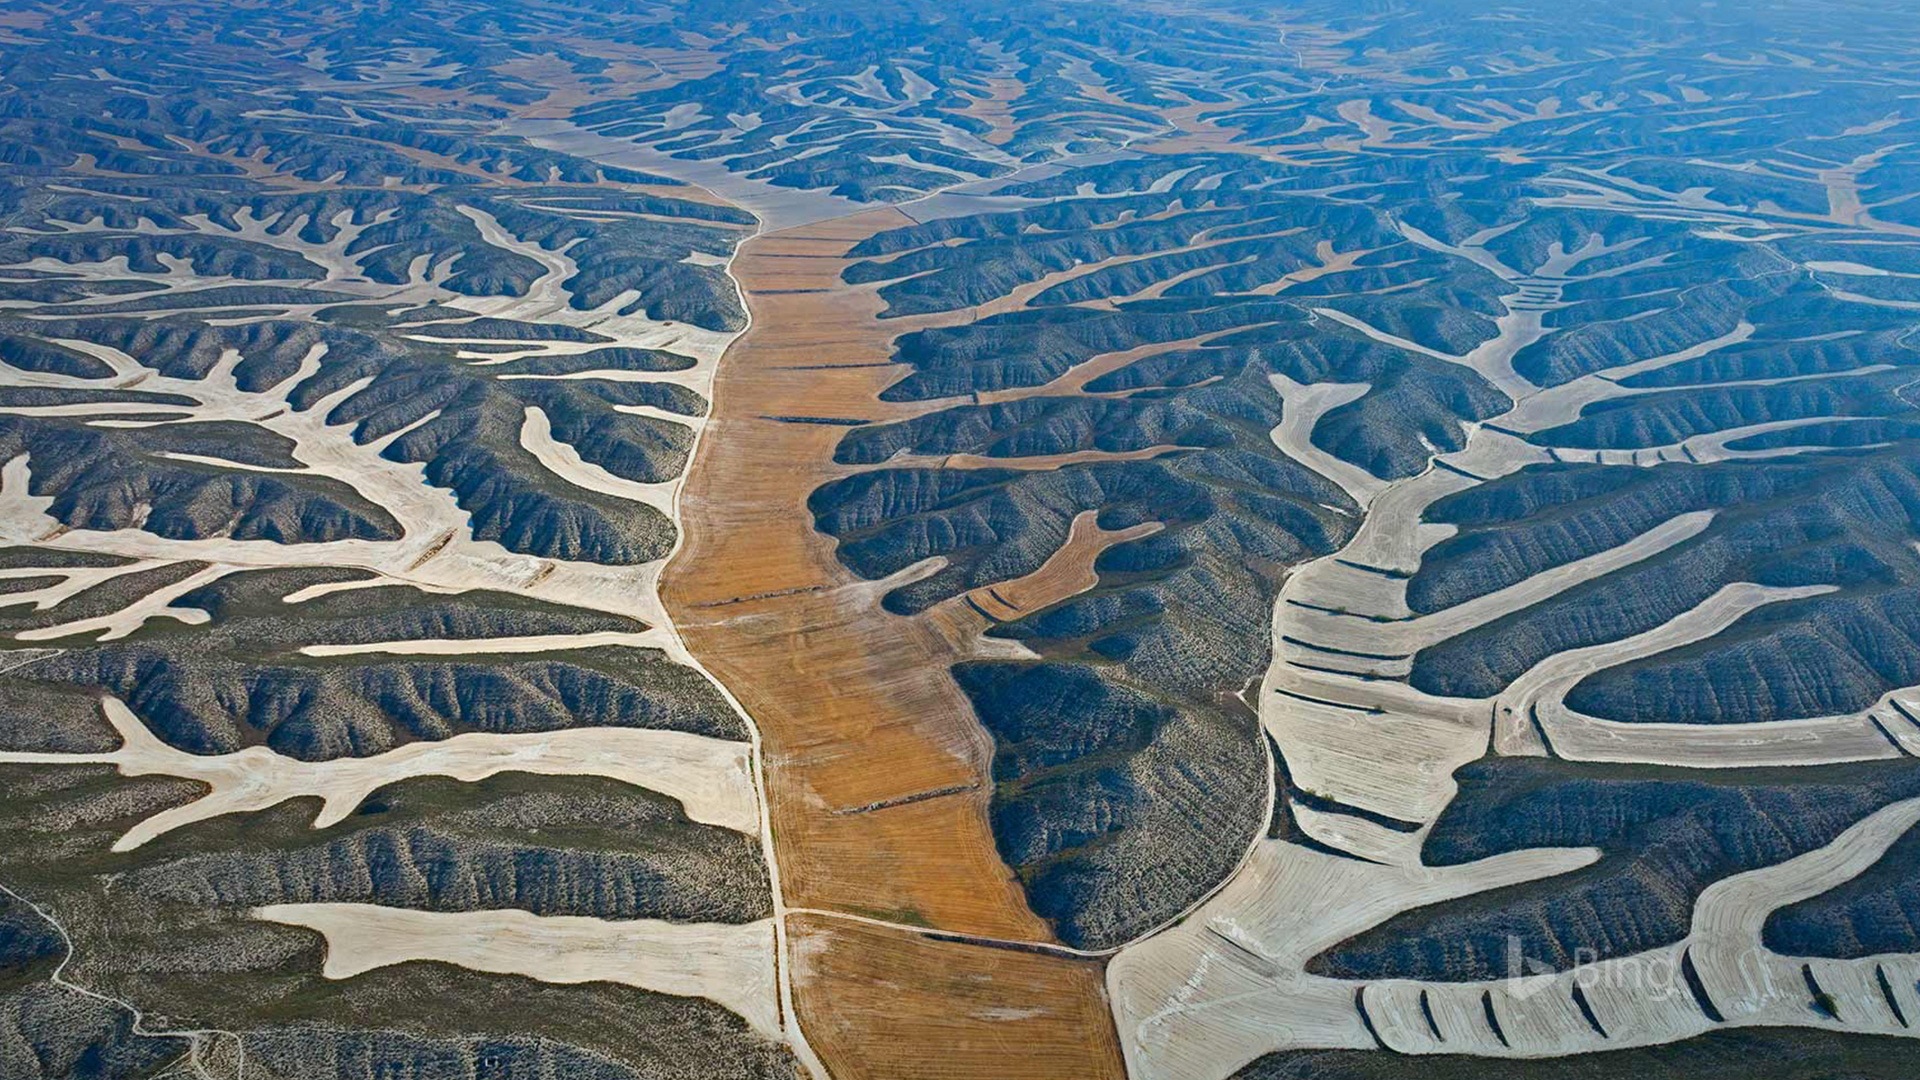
point(994, 106)
point(1068, 572)
point(877, 772)
point(880, 1004)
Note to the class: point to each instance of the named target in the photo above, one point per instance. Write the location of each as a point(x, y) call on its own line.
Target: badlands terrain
point(963, 540)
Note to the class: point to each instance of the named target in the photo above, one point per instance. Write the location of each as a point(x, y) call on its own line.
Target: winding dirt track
point(876, 770)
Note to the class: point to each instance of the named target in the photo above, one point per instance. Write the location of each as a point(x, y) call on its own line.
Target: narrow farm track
point(877, 773)
point(202, 1043)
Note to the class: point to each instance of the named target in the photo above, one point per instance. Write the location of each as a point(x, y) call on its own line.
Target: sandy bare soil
point(711, 777)
point(1229, 984)
point(730, 965)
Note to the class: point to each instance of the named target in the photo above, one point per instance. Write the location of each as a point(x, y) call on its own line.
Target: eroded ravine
point(876, 772)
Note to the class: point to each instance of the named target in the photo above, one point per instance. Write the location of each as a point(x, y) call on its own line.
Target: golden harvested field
point(994, 106)
point(877, 772)
point(1068, 572)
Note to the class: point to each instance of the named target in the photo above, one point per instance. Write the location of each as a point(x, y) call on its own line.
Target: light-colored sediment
point(1335, 697)
point(1644, 999)
point(1302, 406)
point(565, 463)
point(715, 780)
point(1538, 697)
point(712, 778)
point(644, 639)
point(1370, 740)
point(436, 551)
point(1229, 985)
point(1201, 999)
point(731, 965)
